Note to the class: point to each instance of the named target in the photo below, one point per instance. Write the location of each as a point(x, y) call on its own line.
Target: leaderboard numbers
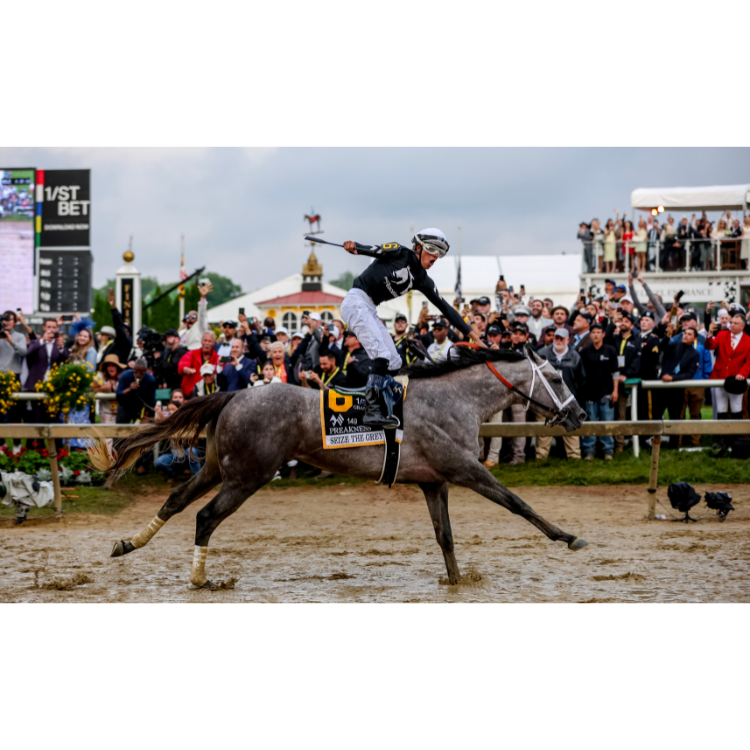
point(64, 281)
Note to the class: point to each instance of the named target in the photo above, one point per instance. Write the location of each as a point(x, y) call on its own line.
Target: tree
point(102, 311)
point(344, 281)
point(224, 289)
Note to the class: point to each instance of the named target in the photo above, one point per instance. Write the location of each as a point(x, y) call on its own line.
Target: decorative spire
point(312, 267)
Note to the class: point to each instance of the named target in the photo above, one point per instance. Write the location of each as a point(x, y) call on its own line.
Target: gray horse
point(251, 433)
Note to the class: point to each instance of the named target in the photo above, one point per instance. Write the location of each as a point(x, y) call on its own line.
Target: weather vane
point(313, 218)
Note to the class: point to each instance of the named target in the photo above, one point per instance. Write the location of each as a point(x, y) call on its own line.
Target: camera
point(152, 342)
point(225, 360)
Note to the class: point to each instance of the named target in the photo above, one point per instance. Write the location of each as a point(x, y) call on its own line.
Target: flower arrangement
point(67, 387)
point(34, 460)
point(8, 386)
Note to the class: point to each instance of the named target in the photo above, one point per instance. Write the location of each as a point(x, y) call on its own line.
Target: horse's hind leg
point(436, 495)
point(206, 479)
point(475, 477)
point(230, 498)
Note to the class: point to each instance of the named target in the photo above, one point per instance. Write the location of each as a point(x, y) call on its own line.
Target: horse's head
point(554, 399)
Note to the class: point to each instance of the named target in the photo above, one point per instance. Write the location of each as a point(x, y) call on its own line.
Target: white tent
point(714, 198)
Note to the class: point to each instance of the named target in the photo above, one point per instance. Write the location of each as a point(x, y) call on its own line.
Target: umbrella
point(721, 502)
point(683, 497)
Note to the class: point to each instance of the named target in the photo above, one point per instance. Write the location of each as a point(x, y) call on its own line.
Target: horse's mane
point(459, 358)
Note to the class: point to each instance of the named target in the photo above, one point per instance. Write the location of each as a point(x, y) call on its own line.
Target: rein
point(560, 412)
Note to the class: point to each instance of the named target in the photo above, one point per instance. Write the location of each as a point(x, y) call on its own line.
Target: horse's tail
point(182, 427)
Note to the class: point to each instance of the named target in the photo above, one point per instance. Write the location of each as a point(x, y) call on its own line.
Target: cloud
point(133, 154)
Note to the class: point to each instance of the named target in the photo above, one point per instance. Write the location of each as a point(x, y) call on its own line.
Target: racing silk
point(397, 270)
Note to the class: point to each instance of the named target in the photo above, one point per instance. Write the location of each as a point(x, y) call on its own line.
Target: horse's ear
point(530, 353)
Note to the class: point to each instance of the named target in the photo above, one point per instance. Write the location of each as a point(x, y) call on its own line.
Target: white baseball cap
point(281, 330)
point(208, 369)
point(314, 316)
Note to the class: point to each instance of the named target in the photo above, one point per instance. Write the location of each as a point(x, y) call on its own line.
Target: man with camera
point(326, 375)
point(357, 363)
point(307, 352)
point(166, 370)
point(12, 355)
point(42, 355)
point(136, 394)
point(235, 369)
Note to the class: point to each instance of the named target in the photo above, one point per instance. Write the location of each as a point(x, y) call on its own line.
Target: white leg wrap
point(198, 571)
point(142, 538)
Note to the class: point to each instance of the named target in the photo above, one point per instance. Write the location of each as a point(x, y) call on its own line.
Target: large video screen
point(17, 239)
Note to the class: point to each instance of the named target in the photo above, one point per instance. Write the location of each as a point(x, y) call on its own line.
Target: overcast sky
point(242, 209)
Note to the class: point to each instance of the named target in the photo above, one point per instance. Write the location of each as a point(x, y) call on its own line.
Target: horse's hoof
point(121, 548)
point(577, 544)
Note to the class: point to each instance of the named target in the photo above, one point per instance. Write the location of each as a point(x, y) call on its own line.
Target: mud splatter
point(66, 584)
point(621, 577)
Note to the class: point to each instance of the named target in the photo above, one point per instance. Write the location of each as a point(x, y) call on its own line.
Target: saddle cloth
point(341, 413)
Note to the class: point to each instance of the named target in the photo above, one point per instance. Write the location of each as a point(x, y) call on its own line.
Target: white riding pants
point(361, 315)
point(727, 402)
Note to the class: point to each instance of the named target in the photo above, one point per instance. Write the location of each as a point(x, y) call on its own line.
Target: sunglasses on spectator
point(190, 317)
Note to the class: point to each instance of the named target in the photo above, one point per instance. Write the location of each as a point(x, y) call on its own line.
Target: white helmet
point(432, 241)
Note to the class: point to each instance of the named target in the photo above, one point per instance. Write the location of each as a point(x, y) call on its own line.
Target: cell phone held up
point(225, 360)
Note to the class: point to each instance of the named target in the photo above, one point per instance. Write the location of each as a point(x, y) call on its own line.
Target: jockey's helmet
point(432, 241)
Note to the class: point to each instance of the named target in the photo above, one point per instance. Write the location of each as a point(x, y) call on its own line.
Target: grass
point(93, 500)
point(696, 468)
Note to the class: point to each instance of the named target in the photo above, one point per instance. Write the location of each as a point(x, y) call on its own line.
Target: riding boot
point(374, 401)
point(720, 443)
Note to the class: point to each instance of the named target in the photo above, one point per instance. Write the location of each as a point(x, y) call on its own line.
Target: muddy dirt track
point(369, 544)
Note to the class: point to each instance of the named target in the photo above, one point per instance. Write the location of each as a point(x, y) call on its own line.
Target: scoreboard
point(64, 281)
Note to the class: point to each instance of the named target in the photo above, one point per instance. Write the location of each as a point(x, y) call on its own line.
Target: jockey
point(395, 271)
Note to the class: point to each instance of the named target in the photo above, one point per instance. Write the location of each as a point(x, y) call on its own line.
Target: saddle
point(341, 412)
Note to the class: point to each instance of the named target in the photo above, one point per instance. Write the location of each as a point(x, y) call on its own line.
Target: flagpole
point(459, 290)
point(182, 276)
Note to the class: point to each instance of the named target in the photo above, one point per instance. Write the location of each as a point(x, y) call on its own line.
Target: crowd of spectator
point(598, 346)
point(651, 246)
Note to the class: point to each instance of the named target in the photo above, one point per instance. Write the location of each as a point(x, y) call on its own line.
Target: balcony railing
point(671, 254)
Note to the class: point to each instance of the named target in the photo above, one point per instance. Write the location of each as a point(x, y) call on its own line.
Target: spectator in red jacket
point(191, 363)
point(732, 361)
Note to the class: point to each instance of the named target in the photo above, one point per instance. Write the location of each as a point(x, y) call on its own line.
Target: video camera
point(153, 342)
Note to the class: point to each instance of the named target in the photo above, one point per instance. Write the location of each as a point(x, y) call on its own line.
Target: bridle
point(560, 412)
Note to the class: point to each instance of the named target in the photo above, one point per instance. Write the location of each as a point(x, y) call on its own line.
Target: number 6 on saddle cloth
point(341, 412)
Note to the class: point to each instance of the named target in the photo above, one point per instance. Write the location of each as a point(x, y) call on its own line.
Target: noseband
point(560, 411)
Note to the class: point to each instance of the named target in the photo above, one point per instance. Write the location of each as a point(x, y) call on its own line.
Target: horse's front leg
point(474, 476)
point(436, 495)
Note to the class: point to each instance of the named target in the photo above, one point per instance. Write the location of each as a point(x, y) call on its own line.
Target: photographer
point(136, 391)
point(732, 347)
point(230, 334)
point(236, 369)
point(166, 373)
point(307, 352)
point(327, 375)
point(357, 364)
point(149, 346)
point(12, 354)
